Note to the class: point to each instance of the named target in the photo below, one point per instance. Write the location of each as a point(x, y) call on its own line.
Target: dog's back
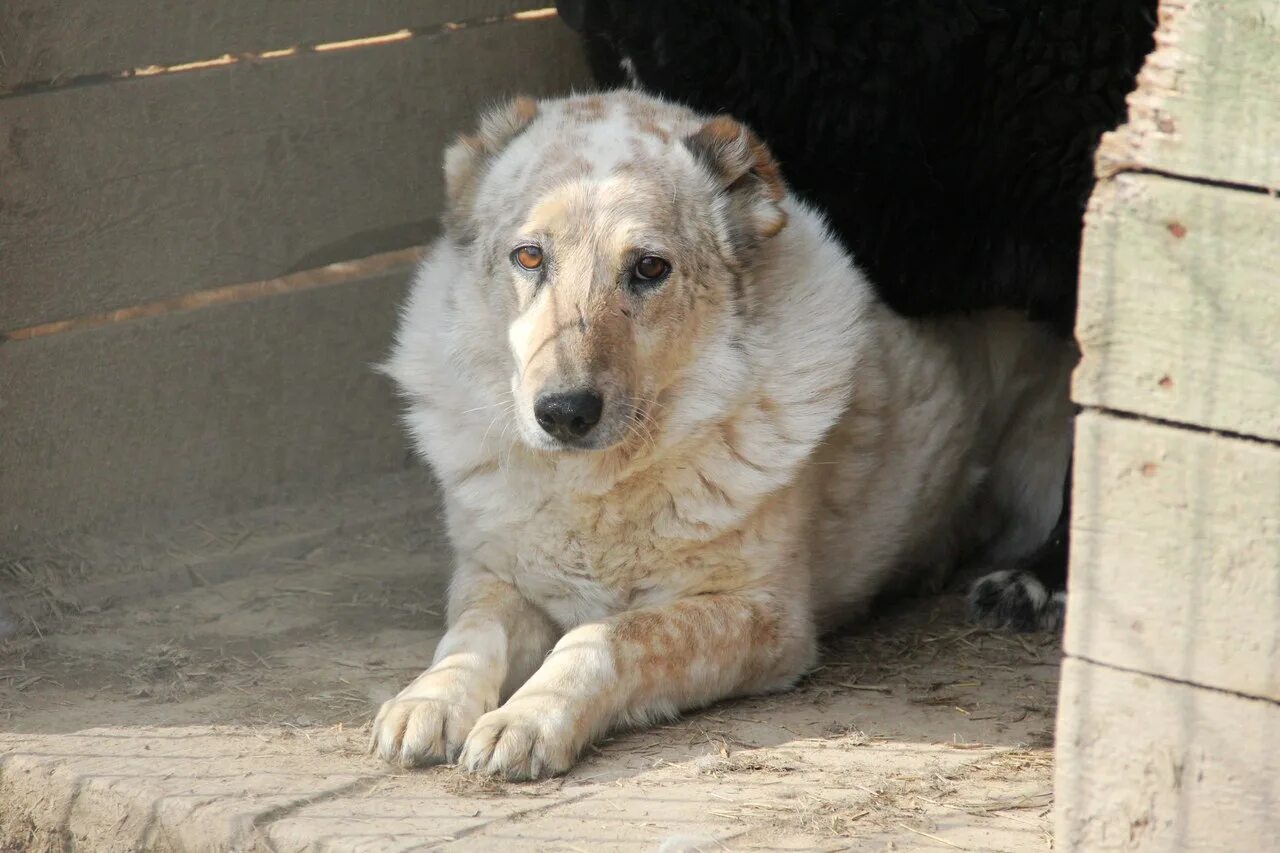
point(953, 450)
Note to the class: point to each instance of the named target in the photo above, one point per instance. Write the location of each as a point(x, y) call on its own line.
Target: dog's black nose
point(568, 416)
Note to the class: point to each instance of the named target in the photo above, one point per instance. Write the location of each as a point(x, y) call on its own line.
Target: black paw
point(1015, 601)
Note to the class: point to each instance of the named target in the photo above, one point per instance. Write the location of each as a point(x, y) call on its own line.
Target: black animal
point(949, 141)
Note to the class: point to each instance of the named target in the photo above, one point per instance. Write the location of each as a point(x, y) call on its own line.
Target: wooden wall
point(1169, 721)
point(207, 216)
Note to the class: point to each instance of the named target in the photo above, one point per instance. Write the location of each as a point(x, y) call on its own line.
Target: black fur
point(1015, 601)
point(950, 142)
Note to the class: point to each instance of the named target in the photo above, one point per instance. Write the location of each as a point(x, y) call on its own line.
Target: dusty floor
point(212, 689)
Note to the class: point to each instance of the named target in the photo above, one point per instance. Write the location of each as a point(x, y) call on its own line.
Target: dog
point(677, 434)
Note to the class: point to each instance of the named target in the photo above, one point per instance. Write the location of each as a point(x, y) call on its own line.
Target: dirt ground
point(211, 689)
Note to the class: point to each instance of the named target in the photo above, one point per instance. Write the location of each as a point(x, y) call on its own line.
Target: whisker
point(505, 466)
point(484, 438)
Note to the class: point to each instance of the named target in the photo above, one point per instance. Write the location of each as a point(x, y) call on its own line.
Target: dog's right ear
point(465, 159)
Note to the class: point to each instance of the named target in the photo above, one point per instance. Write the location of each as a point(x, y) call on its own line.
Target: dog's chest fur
point(586, 543)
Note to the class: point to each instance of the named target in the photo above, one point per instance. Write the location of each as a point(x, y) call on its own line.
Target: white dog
point(676, 434)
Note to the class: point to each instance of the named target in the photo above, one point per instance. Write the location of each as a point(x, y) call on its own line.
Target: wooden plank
point(1175, 554)
point(51, 40)
point(1149, 765)
point(1208, 99)
point(1180, 303)
point(207, 412)
point(128, 192)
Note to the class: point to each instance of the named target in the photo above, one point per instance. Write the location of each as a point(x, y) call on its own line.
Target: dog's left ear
point(745, 171)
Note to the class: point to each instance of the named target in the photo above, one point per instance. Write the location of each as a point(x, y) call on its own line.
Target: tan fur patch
point(652, 128)
point(589, 108)
point(525, 109)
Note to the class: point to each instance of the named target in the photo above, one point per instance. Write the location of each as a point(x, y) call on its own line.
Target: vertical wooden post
point(1169, 719)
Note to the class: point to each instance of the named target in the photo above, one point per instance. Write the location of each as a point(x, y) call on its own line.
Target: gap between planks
point(273, 54)
point(1171, 680)
point(1111, 169)
point(1182, 425)
point(332, 275)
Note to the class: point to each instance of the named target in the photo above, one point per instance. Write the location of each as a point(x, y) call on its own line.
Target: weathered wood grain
point(1208, 99)
point(1150, 765)
point(44, 40)
point(155, 421)
point(127, 192)
point(1175, 554)
point(1180, 304)
point(1169, 715)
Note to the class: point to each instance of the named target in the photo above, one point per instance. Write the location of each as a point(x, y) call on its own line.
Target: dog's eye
point(528, 257)
point(651, 269)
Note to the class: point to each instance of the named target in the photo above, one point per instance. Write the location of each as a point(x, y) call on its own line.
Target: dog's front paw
point(418, 731)
point(521, 741)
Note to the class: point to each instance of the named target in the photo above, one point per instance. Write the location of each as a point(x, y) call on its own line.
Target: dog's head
point(612, 234)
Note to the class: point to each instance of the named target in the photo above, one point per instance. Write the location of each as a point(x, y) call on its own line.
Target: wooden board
point(1175, 554)
point(1208, 98)
point(53, 40)
point(126, 192)
point(1180, 304)
point(1150, 765)
point(207, 412)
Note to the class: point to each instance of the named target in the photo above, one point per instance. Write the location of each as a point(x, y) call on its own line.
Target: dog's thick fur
point(776, 446)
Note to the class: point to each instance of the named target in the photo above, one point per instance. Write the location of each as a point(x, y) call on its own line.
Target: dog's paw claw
point(417, 732)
